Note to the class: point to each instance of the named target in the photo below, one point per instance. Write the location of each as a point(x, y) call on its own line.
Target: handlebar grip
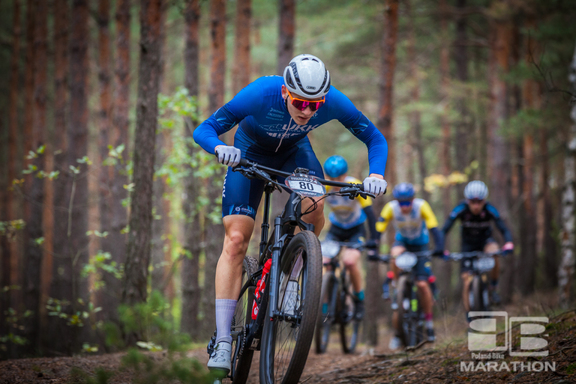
point(243, 162)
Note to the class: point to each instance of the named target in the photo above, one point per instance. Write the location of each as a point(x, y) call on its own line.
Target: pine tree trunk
point(549, 245)
point(566, 270)
point(105, 132)
point(161, 221)
point(498, 148)
point(78, 149)
point(241, 70)
point(218, 61)
point(286, 33)
point(461, 126)
point(386, 126)
point(33, 258)
point(444, 270)
point(116, 240)
point(190, 271)
point(9, 246)
point(140, 233)
point(61, 283)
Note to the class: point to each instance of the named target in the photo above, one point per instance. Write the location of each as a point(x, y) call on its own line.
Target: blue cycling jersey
point(266, 127)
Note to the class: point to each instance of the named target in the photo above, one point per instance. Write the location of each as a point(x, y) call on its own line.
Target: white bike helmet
point(307, 76)
point(476, 190)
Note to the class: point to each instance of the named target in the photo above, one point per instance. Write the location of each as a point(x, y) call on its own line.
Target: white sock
point(429, 324)
point(224, 314)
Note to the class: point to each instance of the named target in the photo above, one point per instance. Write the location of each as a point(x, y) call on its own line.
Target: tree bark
point(286, 33)
point(139, 238)
point(462, 125)
point(61, 283)
point(549, 245)
point(445, 269)
point(218, 61)
point(241, 70)
point(386, 125)
point(190, 271)
point(78, 149)
point(498, 148)
point(9, 248)
point(33, 258)
point(567, 236)
point(115, 242)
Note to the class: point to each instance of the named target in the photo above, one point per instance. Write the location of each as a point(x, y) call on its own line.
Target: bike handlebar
point(345, 188)
point(467, 255)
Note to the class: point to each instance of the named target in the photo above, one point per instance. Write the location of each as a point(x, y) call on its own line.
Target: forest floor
point(448, 360)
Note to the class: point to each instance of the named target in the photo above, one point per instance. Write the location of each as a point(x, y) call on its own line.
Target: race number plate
point(305, 185)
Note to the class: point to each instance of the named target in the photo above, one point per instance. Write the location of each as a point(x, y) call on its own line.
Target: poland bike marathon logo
point(493, 334)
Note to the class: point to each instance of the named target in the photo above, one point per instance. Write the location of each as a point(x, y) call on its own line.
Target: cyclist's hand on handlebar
point(371, 249)
point(228, 155)
point(373, 256)
point(375, 185)
point(438, 253)
point(508, 247)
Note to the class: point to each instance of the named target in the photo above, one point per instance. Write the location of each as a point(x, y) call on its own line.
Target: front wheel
point(242, 355)
point(327, 311)
point(349, 324)
point(286, 340)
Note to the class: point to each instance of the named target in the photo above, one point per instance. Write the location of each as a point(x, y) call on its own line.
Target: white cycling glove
point(228, 155)
point(375, 186)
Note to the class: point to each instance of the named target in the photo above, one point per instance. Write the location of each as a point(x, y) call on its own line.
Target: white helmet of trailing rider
point(476, 190)
point(307, 76)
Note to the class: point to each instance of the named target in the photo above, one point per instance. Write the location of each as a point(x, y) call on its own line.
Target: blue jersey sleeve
point(247, 102)
point(363, 129)
point(506, 234)
point(455, 214)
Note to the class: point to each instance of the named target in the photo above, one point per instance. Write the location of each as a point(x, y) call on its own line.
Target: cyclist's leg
point(423, 272)
point(397, 249)
point(238, 211)
point(465, 268)
point(492, 247)
point(351, 259)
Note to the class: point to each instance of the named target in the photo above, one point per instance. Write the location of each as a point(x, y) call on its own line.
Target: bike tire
point(475, 294)
point(328, 296)
point(242, 359)
point(285, 344)
point(403, 294)
point(349, 325)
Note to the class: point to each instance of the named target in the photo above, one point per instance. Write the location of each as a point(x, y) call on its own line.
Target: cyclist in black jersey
point(476, 216)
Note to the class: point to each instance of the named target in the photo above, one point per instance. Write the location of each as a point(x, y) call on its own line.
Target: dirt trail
point(440, 362)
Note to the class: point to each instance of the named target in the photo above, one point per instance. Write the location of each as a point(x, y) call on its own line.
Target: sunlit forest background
point(110, 223)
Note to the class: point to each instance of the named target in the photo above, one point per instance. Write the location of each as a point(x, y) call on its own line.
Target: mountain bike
point(411, 328)
point(337, 300)
point(278, 303)
point(480, 265)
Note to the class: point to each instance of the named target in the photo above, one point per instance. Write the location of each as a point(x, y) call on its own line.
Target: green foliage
point(9, 228)
point(153, 321)
point(73, 316)
point(14, 321)
point(102, 263)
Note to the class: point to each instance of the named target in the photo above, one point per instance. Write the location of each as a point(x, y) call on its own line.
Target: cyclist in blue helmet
point(274, 115)
point(347, 219)
point(414, 221)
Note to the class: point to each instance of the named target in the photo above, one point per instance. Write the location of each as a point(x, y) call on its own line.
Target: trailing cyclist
point(413, 220)
point(274, 115)
point(476, 216)
point(347, 221)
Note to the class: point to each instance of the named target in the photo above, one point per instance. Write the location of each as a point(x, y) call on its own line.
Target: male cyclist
point(347, 225)
point(275, 114)
point(413, 220)
point(476, 216)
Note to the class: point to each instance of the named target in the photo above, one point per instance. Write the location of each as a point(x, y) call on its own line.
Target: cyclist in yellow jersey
point(347, 225)
point(414, 222)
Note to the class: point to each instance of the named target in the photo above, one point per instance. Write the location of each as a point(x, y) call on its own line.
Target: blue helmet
point(335, 166)
point(403, 191)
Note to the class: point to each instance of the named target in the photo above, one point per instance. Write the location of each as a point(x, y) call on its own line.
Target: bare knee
point(421, 284)
point(235, 246)
point(351, 257)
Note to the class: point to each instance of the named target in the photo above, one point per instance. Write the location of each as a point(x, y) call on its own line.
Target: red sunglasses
point(302, 104)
